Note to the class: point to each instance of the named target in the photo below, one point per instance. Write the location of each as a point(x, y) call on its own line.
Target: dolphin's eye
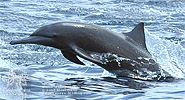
point(55, 35)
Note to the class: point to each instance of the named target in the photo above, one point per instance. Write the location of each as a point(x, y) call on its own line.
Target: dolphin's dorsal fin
point(138, 35)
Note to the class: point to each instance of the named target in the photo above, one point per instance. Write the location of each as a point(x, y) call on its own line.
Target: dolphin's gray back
point(106, 41)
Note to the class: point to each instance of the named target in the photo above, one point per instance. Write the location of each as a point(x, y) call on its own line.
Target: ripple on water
point(47, 69)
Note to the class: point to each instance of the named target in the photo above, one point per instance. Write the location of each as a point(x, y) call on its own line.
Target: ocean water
point(35, 72)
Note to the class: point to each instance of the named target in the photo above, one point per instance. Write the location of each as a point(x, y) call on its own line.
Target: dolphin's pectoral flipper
point(82, 53)
point(72, 57)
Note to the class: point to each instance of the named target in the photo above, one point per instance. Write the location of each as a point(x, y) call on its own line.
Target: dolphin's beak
point(34, 40)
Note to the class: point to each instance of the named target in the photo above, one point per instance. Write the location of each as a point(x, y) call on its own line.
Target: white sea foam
point(11, 80)
point(169, 55)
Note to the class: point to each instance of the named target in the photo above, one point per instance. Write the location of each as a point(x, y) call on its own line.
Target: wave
point(168, 54)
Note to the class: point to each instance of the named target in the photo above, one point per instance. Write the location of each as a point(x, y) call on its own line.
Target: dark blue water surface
point(34, 72)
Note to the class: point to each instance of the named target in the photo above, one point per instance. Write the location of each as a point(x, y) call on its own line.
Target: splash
point(12, 78)
point(139, 68)
point(169, 55)
point(11, 81)
point(106, 57)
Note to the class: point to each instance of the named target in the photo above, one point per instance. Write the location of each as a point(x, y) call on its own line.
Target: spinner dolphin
point(124, 54)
